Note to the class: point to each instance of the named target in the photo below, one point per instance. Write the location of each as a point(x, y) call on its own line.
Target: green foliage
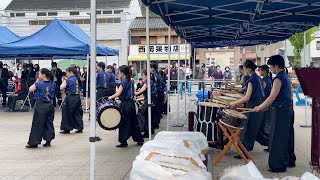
point(143, 10)
point(297, 41)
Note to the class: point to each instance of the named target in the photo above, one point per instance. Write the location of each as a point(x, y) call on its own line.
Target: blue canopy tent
point(236, 22)
point(58, 38)
point(7, 36)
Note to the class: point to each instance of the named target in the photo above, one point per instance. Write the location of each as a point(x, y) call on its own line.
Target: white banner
point(158, 49)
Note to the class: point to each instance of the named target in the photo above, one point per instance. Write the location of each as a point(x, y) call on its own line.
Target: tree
point(297, 41)
point(143, 10)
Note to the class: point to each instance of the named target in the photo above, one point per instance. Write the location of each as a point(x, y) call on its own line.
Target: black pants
point(42, 123)
point(281, 138)
point(251, 125)
point(263, 135)
point(12, 100)
point(57, 93)
point(129, 125)
point(3, 89)
point(159, 107)
point(72, 113)
point(153, 115)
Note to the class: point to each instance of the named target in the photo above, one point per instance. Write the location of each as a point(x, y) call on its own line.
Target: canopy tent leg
point(185, 77)
point(15, 66)
point(93, 53)
point(148, 70)
point(87, 83)
point(168, 82)
point(106, 61)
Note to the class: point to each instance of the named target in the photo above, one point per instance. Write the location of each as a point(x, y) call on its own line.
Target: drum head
point(227, 98)
point(109, 118)
point(235, 114)
point(210, 104)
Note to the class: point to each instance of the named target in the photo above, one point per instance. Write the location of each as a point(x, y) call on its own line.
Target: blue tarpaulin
point(58, 38)
point(7, 36)
point(209, 23)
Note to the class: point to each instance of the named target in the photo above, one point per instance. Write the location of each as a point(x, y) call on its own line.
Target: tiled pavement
point(68, 158)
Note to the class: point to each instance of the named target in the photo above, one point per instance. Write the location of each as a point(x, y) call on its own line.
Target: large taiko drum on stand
point(232, 118)
point(108, 114)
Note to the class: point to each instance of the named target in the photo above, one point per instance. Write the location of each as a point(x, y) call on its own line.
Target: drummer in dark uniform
point(72, 109)
point(160, 87)
point(264, 131)
point(101, 80)
point(128, 126)
point(144, 91)
point(254, 97)
point(111, 81)
point(281, 147)
point(43, 116)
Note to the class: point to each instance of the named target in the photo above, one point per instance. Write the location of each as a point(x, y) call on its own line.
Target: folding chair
point(24, 102)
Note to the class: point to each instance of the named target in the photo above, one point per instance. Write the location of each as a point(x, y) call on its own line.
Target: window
point(117, 20)
point(74, 13)
point(42, 22)
point(102, 21)
point(33, 23)
point(98, 12)
point(86, 21)
point(118, 11)
point(20, 14)
point(135, 40)
point(52, 14)
point(318, 45)
point(41, 14)
point(12, 15)
point(107, 12)
point(79, 21)
point(110, 20)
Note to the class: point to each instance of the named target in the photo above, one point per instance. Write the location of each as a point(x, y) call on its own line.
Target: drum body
point(233, 119)
point(207, 117)
point(108, 114)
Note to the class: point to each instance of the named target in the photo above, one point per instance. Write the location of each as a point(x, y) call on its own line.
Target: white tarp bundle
point(250, 172)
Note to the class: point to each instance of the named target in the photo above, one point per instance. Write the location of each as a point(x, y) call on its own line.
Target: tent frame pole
point(178, 93)
point(93, 52)
point(87, 83)
point(185, 77)
point(148, 71)
point(168, 82)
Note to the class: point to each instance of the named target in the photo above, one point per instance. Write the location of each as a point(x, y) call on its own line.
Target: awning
point(237, 22)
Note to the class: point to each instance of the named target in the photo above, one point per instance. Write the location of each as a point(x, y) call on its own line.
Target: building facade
point(159, 50)
point(25, 17)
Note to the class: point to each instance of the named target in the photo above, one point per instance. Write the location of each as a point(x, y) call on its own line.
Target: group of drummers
point(271, 119)
point(72, 113)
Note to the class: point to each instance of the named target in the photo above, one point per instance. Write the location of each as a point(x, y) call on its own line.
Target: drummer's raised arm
point(141, 90)
point(246, 98)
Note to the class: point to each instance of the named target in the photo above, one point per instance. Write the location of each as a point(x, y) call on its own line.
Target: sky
point(4, 3)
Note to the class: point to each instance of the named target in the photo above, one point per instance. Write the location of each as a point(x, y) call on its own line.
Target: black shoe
point(122, 145)
point(140, 143)
point(278, 170)
point(266, 150)
point(145, 135)
point(65, 132)
point(47, 144)
point(79, 131)
point(291, 165)
point(31, 146)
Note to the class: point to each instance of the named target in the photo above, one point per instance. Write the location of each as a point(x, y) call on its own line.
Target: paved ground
point(68, 158)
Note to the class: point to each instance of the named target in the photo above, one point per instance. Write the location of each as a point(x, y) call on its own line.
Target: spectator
point(57, 77)
point(211, 70)
point(4, 77)
point(199, 75)
point(227, 73)
point(173, 78)
point(20, 93)
point(217, 75)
